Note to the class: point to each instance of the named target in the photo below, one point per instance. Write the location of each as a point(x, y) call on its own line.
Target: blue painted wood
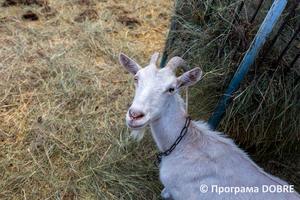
point(259, 40)
point(164, 56)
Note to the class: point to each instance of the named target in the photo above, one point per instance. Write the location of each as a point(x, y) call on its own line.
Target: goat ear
point(189, 78)
point(129, 64)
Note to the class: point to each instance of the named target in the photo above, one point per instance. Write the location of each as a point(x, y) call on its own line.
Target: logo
point(203, 188)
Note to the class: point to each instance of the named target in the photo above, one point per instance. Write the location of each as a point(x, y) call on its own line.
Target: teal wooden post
point(259, 40)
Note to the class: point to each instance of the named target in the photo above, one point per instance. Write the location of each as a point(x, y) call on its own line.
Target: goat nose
point(136, 114)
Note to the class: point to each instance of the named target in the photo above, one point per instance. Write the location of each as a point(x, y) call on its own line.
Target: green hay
point(264, 115)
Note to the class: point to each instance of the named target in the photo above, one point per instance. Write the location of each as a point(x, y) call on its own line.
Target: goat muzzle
point(136, 114)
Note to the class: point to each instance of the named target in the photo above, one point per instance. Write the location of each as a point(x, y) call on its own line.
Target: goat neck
point(167, 128)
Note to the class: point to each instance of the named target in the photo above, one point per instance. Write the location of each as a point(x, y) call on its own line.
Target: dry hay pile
point(264, 115)
point(64, 96)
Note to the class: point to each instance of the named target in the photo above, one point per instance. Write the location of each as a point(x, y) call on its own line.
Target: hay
point(30, 16)
point(88, 14)
point(64, 96)
point(8, 3)
point(264, 115)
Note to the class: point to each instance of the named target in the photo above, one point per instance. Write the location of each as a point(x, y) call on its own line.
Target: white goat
point(205, 164)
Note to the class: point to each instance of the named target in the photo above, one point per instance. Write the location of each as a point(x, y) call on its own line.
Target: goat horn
point(176, 62)
point(154, 58)
point(173, 64)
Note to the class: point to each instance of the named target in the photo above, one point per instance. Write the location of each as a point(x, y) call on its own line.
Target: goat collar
point(182, 134)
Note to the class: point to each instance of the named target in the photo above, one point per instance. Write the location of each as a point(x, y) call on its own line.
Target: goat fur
point(203, 156)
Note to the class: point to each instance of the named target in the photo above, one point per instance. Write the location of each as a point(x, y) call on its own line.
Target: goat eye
point(135, 80)
point(171, 89)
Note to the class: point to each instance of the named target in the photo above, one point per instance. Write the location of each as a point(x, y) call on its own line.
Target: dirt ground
point(64, 95)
